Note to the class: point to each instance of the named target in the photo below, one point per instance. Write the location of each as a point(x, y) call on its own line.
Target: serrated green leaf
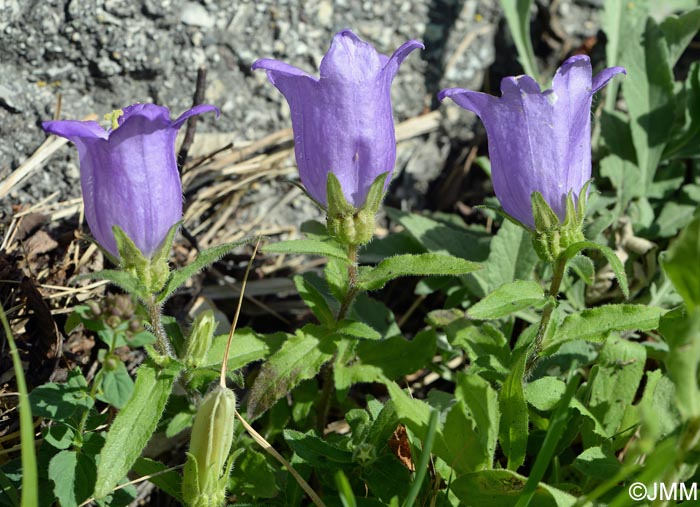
point(315, 451)
point(609, 254)
point(390, 358)
point(60, 402)
point(503, 488)
point(439, 237)
point(357, 330)
point(596, 323)
point(513, 431)
point(544, 393)
point(309, 247)
point(508, 298)
point(246, 346)
point(623, 23)
point(517, 14)
point(134, 424)
point(427, 264)
point(584, 268)
point(204, 259)
point(314, 299)
point(511, 257)
point(680, 263)
point(73, 476)
point(487, 348)
point(472, 421)
point(681, 334)
point(117, 386)
point(299, 358)
point(625, 177)
point(620, 369)
point(597, 463)
point(648, 90)
point(255, 477)
point(678, 31)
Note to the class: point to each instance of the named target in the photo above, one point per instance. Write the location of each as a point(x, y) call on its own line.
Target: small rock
point(194, 14)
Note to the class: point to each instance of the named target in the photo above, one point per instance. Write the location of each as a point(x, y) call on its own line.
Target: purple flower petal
point(538, 141)
point(129, 176)
point(72, 129)
point(605, 75)
point(342, 121)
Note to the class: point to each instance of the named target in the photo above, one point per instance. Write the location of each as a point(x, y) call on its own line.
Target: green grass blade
point(556, 429)
point(30, 484)
point(424, 458)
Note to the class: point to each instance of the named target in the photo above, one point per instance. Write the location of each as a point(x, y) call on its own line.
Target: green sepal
point(552, 237)
point(545, 218)
point(153, 273)
point(337, 204)
point(191, 490)
point(375, 194)
point(347, 224)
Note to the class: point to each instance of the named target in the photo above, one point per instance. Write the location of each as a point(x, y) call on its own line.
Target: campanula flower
point(343, 120)
point(538, 141)
point(128, 173)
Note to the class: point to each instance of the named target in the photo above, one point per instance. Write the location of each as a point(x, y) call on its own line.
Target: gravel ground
point(104, 54)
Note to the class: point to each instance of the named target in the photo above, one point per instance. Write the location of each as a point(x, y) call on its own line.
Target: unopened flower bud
point(208, 464)
point(200, 339)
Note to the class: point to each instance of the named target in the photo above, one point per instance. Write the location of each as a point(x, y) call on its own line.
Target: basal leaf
point(680, 262)
point(620, 369)
point(503, 488)
point(517, 14)
point(317, 452)
point(648, 90)
point(678, 31)
point(511, 257)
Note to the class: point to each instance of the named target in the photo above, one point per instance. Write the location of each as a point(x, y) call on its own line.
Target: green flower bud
point(208, 464)
point(199, 340)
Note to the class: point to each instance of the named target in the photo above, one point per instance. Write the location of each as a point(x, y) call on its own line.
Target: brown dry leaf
point(41, 328)
point(398, 443)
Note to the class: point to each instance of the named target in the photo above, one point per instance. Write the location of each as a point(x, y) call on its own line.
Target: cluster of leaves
point(612, 397)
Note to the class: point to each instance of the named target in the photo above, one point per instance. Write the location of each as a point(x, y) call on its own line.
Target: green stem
point(30, 484)
point(557, 277)
point(424, 458)
point(324, 401)
point(164, 346)
point(352, 283)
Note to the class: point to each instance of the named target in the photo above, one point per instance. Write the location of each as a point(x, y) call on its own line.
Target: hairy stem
point(352, 283)
point(557, 277)
point(163, 343)
point(324, 402)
